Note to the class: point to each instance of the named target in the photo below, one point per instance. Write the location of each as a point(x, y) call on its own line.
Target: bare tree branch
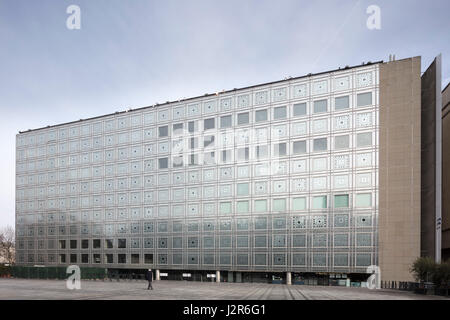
point(7, 245)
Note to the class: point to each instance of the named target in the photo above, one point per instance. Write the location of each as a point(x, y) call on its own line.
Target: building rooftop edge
point(209, 95)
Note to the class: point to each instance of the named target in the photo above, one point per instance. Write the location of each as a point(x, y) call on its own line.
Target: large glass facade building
point(278, 177)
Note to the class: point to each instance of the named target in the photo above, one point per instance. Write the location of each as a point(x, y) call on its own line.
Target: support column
point(288, 278)
point(157, 277)
point(217, 276)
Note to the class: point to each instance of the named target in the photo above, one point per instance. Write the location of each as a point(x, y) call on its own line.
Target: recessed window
point(260, 205)
point(96, 258)
point(225, 121)
point(208, 124)
point(243, 118)
point(261, 115)
point(363, 200)
point(193, 143)
point(85, 244)
point(73, 244)
point(320, 144)
point(364, 99)
point(122, 258)
point(122, 243)
point(209, 157)
point(242, 189)
point(320, 106)
point(299, 147)
point(192, 126)
point(341, 201)
point(341, 103)
point(299, 203)
point(109, 243)
point(84, 258)
point(178, 128)
point(109, 258)
point(279, 149)
point(62, 244)
point(279, 204)
point(177, 161)
point(226, 156)
point(148, 258)
point(208, 141)
point(242, 206)
point(279, 113)
point(262, 152)
point(243, 154)
point(320, 202)
point(341, 142)
point(163, 163)
point(135, 258)
point(225, 207)
point(163, 131)
point(299, 109)
point(364, 139)
point(96, 244)
point(193, 159)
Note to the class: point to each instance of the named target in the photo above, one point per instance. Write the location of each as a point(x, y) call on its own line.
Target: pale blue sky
point(135, 53)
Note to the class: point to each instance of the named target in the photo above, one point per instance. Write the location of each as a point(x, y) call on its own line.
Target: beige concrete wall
point(399, 168)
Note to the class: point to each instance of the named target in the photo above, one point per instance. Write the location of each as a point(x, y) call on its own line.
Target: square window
point(191, 126)
point(84, 258)
point(262, 152)
point(225, 121)
point(242, 189)
point(320, 106)
point(242, 207)
point(279, 113)
point(279, 149)
point(243, 118)
point(320, 202)
point(320, 144)
point(85, 244)
point(163, 131)
point(208, 141)
point(261, 115)
point(208, 124)
point(341, 201)
point(163, 163)
point(225, 208)
point(243, 153)
point(299, 109)
point(122, 243)
point(178, 128)
point(122, 258)
point(260, 205)
point(299, 147)
point(363, 200)
point(226, 156)
point(364, 99)
point(341, 103)
point(96, 243)
point(299, 203)
point(341, 142)
point(279, 204)
point(364, 139)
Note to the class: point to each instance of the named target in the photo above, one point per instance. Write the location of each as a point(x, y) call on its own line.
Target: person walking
point(149, 277)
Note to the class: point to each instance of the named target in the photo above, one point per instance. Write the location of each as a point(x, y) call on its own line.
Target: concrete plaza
point(31, 289)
